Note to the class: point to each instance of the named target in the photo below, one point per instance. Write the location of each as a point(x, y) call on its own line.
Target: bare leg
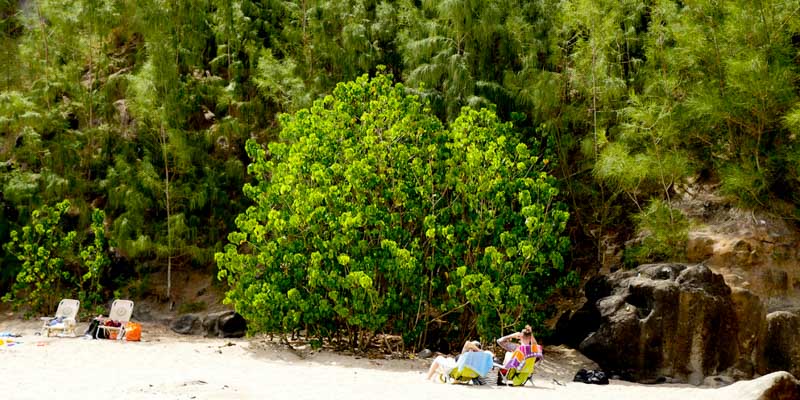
point(433, 368)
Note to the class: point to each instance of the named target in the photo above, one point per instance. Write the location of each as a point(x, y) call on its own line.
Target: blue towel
point(480, 361)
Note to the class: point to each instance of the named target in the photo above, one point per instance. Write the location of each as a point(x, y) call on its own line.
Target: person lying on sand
point(446, 364)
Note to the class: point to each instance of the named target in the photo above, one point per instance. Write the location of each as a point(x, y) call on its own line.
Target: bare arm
point(504, 341)
point(469, 346)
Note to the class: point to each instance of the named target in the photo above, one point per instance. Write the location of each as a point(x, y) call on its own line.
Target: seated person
point(525, 337)
point(446, 364)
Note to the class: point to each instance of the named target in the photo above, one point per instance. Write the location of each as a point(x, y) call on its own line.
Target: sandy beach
point(169, 366)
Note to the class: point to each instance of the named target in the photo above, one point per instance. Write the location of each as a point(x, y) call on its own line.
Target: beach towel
point(521, 354)
point(478, 361)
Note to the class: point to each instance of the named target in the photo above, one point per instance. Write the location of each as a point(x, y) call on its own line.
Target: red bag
point(112, 334)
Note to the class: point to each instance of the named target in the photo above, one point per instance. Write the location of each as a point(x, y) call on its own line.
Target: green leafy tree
point(96, 263)
point(49, 269)
point(41, 247)
point(371, 216)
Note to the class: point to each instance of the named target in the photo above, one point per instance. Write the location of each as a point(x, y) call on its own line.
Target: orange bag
point(133, 332)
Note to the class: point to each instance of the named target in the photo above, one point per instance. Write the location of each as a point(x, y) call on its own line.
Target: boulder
point(225, 324)
point(425, 353)
point(187, 324)
point(143, 313)
point(752, 328)
point(674, 321)
point(779, 385)
point(781, 344)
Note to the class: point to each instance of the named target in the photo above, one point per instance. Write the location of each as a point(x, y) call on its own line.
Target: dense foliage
point(44, 248)
point(142, 108)
point(370, 216)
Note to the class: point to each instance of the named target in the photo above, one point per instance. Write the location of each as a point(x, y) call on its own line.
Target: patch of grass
point(192, 307)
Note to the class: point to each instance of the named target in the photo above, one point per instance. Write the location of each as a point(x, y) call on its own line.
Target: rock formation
point(187, 324)
point(750, 249)
point(732, 312)
point(782, 342)
point(226, 324)
point(674, 321)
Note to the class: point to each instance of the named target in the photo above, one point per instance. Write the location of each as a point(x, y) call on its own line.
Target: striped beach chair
point(518, 370)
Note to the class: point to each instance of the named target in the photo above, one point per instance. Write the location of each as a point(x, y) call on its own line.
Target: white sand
point(169, 366)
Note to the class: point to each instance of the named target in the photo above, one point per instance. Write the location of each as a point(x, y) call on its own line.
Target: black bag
point(591, 376)
point(92, 330)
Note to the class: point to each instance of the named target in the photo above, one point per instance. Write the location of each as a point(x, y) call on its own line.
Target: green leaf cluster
point(372, 216)
point(49, 271)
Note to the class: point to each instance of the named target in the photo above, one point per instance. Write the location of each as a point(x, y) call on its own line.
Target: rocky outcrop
point(783, 342)
point(750, 249)
point(705, 321)
point(225, 324)
point(674, 321)
point(187, 324)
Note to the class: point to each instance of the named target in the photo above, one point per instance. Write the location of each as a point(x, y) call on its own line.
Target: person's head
point(527, 334)
point(472, 346)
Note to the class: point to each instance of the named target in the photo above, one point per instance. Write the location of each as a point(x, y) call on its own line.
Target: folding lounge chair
point(64, 320)
point(121, 311)
point(471, 366)
point(519, 369)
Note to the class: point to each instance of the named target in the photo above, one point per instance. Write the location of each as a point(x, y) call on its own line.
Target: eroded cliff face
point(732, 309)
point(755, 253)
point(751, 250)
point(675, 321)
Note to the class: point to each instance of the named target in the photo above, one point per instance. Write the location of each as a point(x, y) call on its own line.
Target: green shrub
point(192, 307)
point(48, 267)
point(664, 231)
point(746, 183)
point(370, 216)
point(40, 248)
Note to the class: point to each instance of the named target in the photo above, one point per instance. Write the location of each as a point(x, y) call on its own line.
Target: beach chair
point(470, 367)
point(121, 311)
point(518, 370)
point(65, 319)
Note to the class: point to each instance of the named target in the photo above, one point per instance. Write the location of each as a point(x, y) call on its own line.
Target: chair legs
point(120, 332)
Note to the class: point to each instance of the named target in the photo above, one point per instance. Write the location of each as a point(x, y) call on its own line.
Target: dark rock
point(668, 320)
point(225, 324)
point(751, 325)
point(573, 327)
point(783, 335)
point(425, 353)
point(143, 313)
point(187, 324)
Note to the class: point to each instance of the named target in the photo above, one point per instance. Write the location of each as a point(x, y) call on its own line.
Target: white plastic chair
point(121, 311)
point(64, 320)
